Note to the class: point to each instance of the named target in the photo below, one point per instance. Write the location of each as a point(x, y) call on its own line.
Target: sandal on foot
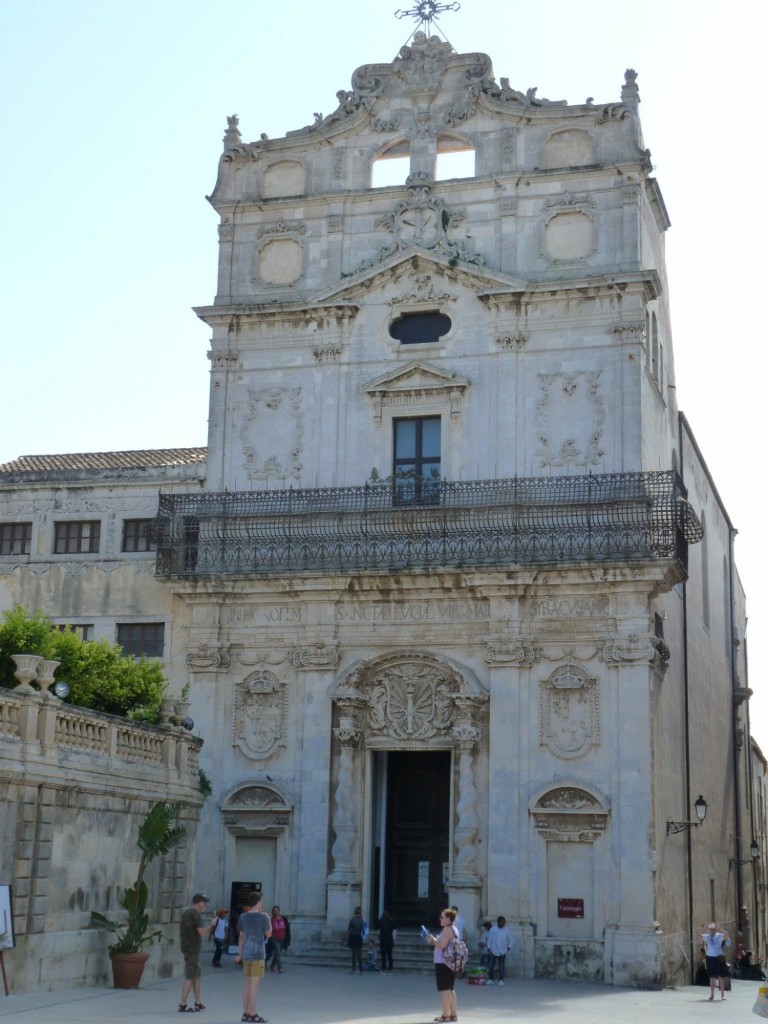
point(199, 1007)
point(185, 1009)
point(259, 1020)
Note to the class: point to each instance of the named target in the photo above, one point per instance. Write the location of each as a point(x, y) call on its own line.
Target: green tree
point(99, 675)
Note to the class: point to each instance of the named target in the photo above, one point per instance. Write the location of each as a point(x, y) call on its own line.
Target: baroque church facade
point(451, 585)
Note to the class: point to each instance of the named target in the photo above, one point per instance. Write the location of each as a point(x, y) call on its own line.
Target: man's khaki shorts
point(253, 968)
point(192, 966)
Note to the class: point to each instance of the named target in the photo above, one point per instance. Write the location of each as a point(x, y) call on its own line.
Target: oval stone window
point(420, 328)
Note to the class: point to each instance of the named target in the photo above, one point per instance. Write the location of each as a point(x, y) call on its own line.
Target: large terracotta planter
point(127, 969)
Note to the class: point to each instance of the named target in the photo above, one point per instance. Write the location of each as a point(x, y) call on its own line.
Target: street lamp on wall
point(700, 807)
point(754, 853)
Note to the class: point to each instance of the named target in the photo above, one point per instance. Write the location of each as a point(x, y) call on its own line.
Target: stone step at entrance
point(411, 953)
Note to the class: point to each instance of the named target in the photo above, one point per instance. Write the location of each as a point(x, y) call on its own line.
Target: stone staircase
point(411, 953)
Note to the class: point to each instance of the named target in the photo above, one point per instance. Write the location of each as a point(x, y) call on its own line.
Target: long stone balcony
point(421, 523)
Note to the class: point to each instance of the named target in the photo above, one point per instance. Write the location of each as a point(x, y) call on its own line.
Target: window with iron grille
point(137, 638)
point(77, 538)
point(81, 629)
point(15, 538)
point(136, 535)
point(416, 468)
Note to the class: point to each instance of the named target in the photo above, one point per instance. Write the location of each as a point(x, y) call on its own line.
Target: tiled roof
point(105, 460)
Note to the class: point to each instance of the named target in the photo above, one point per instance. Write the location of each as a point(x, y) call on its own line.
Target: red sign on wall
point(570, 908)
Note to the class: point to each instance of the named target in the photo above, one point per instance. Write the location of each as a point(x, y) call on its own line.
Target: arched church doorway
point(412, 808)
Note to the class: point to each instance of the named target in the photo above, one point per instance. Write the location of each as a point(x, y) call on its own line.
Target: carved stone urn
point(45, 680)
point(26, 670)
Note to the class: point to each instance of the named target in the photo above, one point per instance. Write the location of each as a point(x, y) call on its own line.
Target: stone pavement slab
point(318, 995)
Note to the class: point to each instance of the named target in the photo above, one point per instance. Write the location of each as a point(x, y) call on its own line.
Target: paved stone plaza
point(325, 996)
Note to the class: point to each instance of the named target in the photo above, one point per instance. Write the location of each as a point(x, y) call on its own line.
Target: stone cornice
point(275, 312)
point(646, 576)
point(600, 284)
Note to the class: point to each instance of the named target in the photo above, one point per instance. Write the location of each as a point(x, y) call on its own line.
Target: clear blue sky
point(111, 127)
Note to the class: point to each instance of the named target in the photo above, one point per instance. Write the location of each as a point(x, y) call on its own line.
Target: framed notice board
point(7, 936)
point(570, 908)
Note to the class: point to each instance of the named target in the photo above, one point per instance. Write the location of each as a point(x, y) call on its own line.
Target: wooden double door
point(418, 791)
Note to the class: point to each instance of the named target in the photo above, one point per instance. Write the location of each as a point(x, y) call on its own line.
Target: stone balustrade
point(75, 786)
point(32, 719)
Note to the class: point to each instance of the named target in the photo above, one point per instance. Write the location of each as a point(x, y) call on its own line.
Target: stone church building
point(451, 584)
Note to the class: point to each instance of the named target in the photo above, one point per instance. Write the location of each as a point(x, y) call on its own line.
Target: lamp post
point(700, 807)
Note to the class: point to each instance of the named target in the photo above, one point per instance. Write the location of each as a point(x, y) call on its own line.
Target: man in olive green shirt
point(192, 928)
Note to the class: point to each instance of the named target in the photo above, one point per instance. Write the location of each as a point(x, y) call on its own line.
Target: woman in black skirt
point(444, 976)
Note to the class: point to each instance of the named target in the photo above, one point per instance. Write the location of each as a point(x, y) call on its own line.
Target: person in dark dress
point(386, 927)
point(355, 939)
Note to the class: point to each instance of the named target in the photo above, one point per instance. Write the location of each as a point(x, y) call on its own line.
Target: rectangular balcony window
point(15, 538)
point(137, 638)
point(136, 535)
point(77, 538)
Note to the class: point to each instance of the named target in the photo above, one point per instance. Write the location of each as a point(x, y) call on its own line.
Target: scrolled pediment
point(256, 808)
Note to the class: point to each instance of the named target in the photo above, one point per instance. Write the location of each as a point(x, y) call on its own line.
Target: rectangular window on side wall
point(82, 629)
point(77, 538)
point(15, 538)
point(136, 535)
point(416, 464)
point(137, 638)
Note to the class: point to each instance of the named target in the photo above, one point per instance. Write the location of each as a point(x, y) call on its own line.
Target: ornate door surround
point(404, 700)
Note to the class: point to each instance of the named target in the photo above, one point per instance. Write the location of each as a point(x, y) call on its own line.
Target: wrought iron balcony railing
point(611, 517)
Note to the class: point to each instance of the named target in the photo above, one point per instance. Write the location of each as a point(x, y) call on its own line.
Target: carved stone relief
point(423, 290)
point(570, 814)
point(274, 419)
point(409, 697)
point(327, 353)
point(422, 65)
point(261, 704)
point(570, 199)
point(317, 657)
point(282, 227)
point(629, 332)
point(570, 414)
point(569, 720)
point(512, 652)
point(256, 808)
point(513, 340)
point(627, 650)
point(204, 657)
point(424, 221)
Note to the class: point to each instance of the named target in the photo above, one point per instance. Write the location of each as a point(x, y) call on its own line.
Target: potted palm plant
point(158, 834)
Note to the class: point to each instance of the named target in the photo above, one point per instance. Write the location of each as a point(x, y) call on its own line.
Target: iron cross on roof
point(426, 11)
